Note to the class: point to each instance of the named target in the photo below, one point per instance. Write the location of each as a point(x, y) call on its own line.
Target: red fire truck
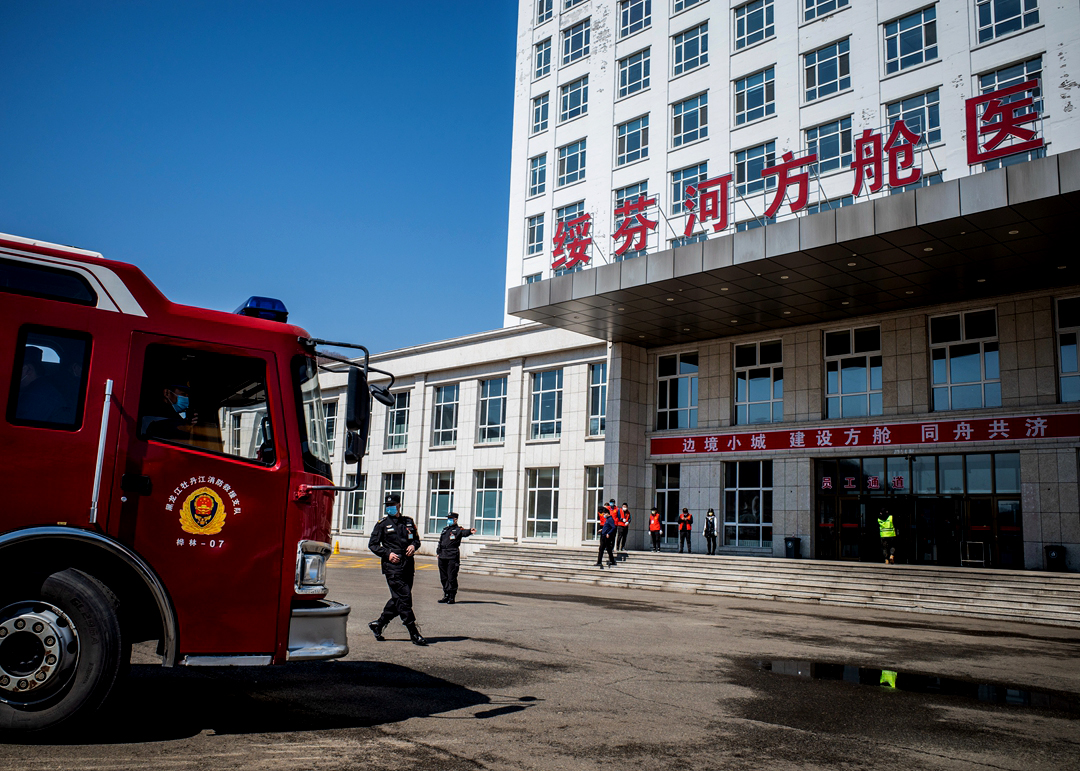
point(165, 476)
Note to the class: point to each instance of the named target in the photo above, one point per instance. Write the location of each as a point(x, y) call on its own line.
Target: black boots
point(447, 599)
point(376, 628)
point(415, 636)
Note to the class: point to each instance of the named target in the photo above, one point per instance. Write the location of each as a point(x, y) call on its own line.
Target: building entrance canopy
point(985, 235)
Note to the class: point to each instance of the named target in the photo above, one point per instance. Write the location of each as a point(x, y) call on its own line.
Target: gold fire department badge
point(202, 513)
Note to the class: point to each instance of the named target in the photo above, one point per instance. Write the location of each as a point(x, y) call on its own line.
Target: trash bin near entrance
point(1055, 557)
point(791, 547)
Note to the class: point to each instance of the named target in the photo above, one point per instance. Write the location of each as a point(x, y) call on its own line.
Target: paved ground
point(539, 676)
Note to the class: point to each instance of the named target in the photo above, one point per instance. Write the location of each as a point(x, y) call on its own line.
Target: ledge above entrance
point(986, 235)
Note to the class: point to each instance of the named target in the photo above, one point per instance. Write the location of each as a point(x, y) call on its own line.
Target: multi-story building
point(821, 249)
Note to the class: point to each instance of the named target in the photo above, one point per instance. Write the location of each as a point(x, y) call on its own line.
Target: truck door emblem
point(202, 513)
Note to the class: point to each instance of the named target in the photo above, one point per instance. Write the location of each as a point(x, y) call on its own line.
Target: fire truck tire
point(60, 651)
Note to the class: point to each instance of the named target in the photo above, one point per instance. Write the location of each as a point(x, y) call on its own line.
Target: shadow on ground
point(155, 704)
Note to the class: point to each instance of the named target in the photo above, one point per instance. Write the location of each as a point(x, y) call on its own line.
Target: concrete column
point(625, 472)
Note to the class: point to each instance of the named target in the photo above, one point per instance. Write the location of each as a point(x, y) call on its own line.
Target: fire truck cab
point(164, 475)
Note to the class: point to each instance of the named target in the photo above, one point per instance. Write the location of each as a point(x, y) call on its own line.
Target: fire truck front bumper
point(318, 631)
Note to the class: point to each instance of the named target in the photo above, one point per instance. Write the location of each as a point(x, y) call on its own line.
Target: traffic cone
point(337, 545)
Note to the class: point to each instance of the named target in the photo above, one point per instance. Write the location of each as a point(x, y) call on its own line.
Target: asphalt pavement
point(528, 675)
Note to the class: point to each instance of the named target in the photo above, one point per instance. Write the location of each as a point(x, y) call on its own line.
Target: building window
point(632, 141)
point(911, 40)
point(634, 16)
point(832, 143)
point(919, 113)
point(964, 360)
point(571, 163)
point(568, 4)
point(533, 278)
point(567, 213)
point(441, 484)
point(690, 120)
point(924, 181)
point(835, 203)
point(575, 42)
point(542, 515)
point(853, 373)
point(748, 503)
point(235, 432)
point(394, 483)
point(542, 59)
point(667, 498)
point(534, 243)
point(622, 197)
point(574, 99)
point(1068, 321)
point(691, 49)
point(682, 5)
point(753, 23)
point(540, 114)
point(444, 422)
point(397, 423)
point(634, 73)
point(1000, 17)
point(546, 420)
point(492, 422)
point(1011, 76)
point(543, 10)
point(749, 164)
point(354, 503)
point(677, 391)
point(330, 417)
point(597, 398)
point(594, 499)
point(753, 224)
point(759, 383)
point(683, 178)
point(812, 9)
point(537, 174)
point(755, 96)
point(678, 241)
point(827, 70)
point(487, 515)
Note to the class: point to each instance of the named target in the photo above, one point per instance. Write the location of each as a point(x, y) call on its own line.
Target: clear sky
point(349, 158)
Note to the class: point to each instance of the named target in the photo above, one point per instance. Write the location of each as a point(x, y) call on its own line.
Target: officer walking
point(450, 556)
point(395, 540)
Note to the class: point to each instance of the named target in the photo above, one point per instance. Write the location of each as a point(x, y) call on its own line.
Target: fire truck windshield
point(312, 417)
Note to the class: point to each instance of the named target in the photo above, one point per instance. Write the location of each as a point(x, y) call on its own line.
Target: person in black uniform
point(395, 540)
point(450, 556)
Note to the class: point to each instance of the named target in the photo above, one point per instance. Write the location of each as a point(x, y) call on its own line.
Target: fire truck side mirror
point(355, 446)
point(357, 403)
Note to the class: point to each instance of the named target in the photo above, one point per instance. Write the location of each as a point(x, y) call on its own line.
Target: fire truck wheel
point(60, 651)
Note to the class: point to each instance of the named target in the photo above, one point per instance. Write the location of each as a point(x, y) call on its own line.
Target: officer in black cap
point(449, 554)
point(395, 540)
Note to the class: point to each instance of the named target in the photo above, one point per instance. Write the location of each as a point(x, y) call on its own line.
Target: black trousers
point(710, 541)
point(448, 570)
point(656, 539)
point(684, 537)
point(607, 543)
point(620, 536)
point(400, 602)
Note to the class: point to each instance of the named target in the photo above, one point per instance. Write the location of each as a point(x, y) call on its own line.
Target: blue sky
point(349, 158)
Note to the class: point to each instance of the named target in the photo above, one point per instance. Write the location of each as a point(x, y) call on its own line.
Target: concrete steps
point(1007, 595)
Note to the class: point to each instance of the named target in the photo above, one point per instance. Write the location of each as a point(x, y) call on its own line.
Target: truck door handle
point(135, 484)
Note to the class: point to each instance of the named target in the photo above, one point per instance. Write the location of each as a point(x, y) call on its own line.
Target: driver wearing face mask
point(176, 418)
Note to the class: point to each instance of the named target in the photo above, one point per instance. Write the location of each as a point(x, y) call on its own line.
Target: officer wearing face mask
point(395, 540)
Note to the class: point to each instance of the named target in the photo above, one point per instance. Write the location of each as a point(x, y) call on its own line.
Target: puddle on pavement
point(887, 679)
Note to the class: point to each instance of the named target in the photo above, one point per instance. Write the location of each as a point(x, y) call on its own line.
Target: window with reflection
point(964, 360)
point(853, 373)
point(759, 383)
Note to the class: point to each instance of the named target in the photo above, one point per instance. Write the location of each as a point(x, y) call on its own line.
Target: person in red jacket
point(686, 524)
point(622, 527)
point(656, 528)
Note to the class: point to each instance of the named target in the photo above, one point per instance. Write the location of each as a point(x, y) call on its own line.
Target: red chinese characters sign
point(875, 436)
point(999, 123)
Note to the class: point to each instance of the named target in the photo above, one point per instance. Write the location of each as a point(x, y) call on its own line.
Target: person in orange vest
point(686, 524)
point(606, 521)
point(622, 527)
point(656, 528)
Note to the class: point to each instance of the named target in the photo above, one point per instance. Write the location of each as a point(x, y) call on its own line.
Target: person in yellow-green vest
point(888, 536)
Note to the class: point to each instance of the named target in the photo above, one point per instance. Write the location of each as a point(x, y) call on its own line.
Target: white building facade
point(809, 260)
